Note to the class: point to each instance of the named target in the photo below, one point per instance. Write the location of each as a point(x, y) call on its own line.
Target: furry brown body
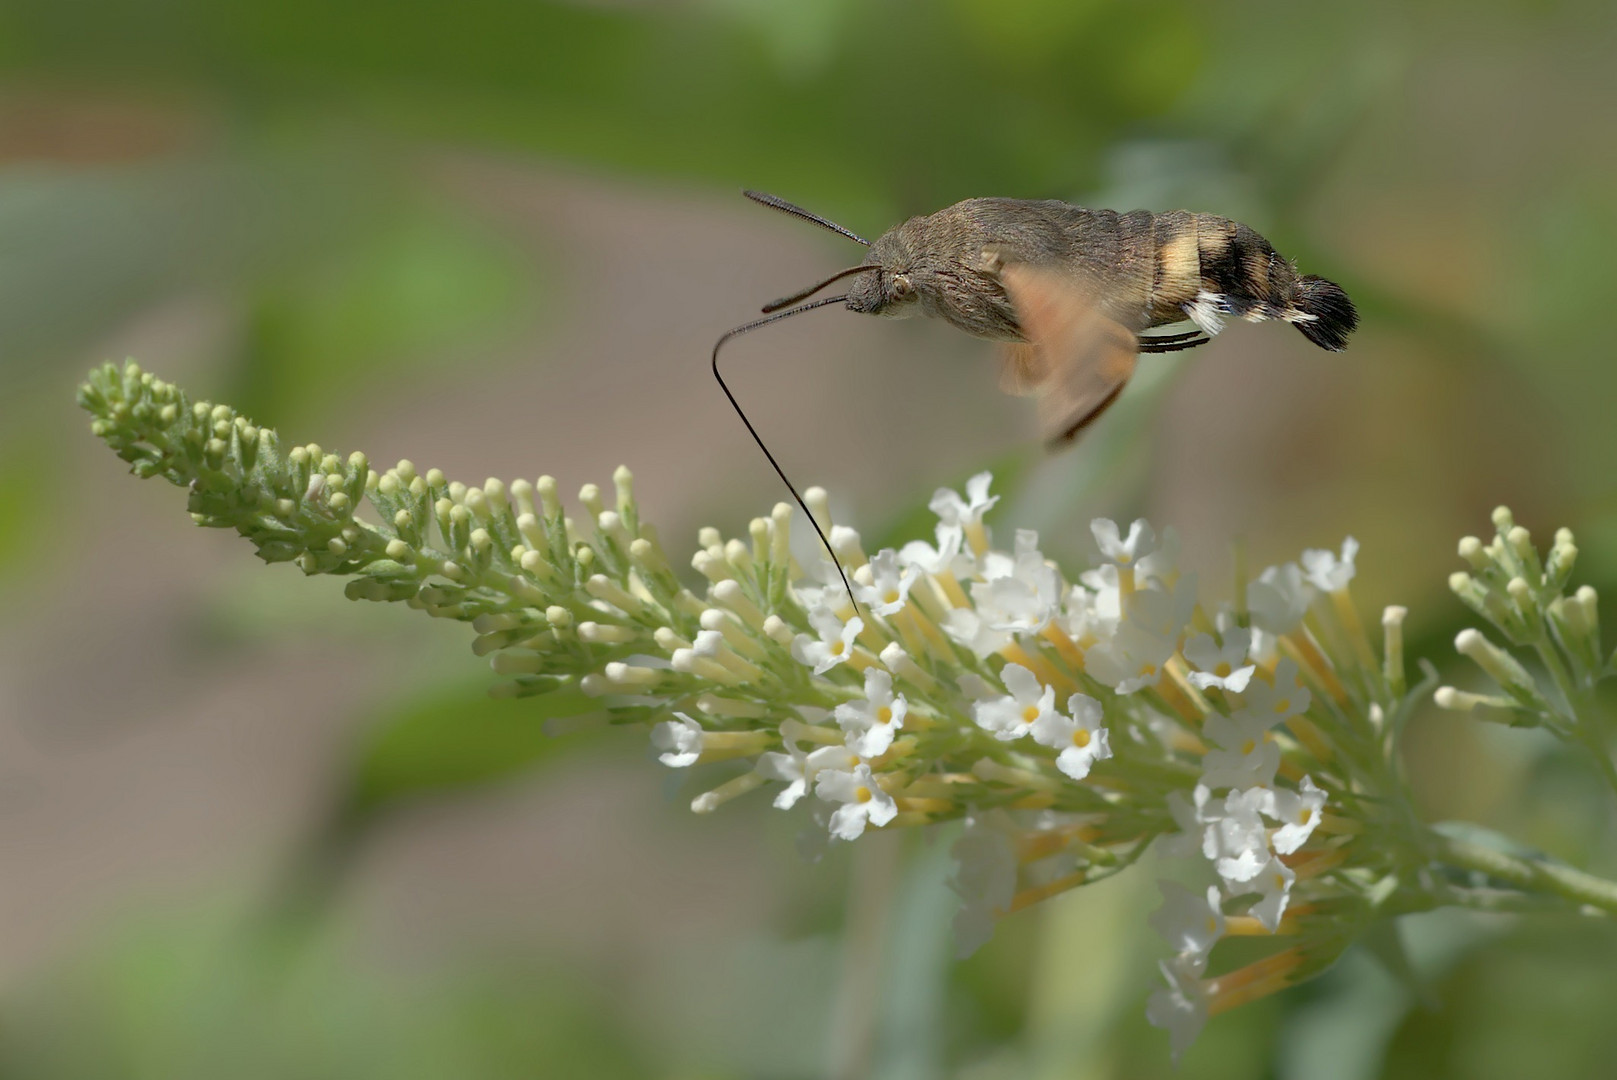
point(1139, 269)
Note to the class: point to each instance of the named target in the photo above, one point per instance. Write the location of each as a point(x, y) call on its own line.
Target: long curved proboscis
point(736, 405)
point(785, 207)
point(788, 301)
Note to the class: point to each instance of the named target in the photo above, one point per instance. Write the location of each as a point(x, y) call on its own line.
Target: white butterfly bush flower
point(680, 741)
point(1236, 841)
point(1281, 699)
point(1190, 814)
point(1092, 614)
point(969, 628)
point(1161, 564)
point(1326, 571)
point(1181, 1006)
point(832, 643)
point(1024, 597)
point(1221, 664)
point(1279, 599)
point(890, 584)
point(1272, 883)
point(1298, 813)
point(1080, 738)
point(797, 767)
point(1015, 714)
point(984, 878)
point(964, 514)
point(947, 558)
point(863, 801)
point(1243, 754)
point(869, 724)
point(1131, 659)
point(1123, 550)
point(1190, 922)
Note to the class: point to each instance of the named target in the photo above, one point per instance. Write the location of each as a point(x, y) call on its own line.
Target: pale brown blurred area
point(83, 127)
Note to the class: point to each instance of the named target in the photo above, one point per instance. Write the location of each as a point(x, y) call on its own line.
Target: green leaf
point(1385, 943)
point(454, 739)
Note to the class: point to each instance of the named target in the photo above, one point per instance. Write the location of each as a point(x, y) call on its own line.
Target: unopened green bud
point(590, 496)
point(1500, 666)
point(494, 492)
point(549, 497)
point(623, 480)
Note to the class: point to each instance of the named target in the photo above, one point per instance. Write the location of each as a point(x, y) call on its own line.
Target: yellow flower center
point(862, 795)
point(1080, 738)
point(1280, 881)
point(1283, 705)
point(1222, 670)
point(1030, 714)
point(884, 715)
point(1248, 746)
point(1212, 925)
point(1305, 817)
point(1148, 669)
point(890, 596)
point(837, 647)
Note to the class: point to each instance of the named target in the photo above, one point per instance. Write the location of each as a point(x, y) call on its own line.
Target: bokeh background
point(250, 829)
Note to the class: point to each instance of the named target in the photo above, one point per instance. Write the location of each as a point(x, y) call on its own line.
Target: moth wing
point(1076, 359)
point(1021, 371)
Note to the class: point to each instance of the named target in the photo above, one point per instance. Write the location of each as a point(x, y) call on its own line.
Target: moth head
point(891, 293)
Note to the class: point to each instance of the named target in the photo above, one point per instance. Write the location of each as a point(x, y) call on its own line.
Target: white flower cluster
point(1125, 659)
point(1069, 723)
point(1236, 818)
point(1124, 623)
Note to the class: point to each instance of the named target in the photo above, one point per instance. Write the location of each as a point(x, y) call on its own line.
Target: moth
point(1071, 292)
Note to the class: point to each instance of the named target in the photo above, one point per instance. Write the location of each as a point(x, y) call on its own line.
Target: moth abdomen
point(1240, 274)
point(1323, 312)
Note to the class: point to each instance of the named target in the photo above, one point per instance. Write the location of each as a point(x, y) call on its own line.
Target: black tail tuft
point(1334, 316)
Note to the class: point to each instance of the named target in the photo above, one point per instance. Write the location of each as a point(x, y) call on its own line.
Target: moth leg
point(1162, 338)
point(1148, 345)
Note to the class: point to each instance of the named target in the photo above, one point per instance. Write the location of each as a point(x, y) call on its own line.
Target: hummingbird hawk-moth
point(1070, 291)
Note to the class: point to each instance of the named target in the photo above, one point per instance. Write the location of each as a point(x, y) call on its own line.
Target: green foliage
point(456, 738)
point(193, 998)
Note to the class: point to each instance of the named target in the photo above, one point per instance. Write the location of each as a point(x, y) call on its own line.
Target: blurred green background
point(250, 829)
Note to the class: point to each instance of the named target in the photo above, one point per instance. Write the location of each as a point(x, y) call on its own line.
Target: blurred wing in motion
point(1075, 359)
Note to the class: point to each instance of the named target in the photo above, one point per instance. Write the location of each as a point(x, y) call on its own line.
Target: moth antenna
point(797, 211)
point(736, 405)
point(788, 301)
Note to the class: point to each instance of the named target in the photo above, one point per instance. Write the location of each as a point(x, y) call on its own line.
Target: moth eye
point(901, 285)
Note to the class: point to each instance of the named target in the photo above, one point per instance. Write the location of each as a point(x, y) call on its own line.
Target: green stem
point(1577, 702)
point(1527, 874)
point(1596, 745)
